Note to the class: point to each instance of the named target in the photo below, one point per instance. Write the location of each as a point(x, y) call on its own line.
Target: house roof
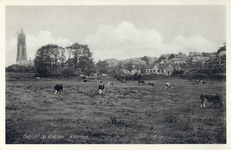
point(159, 66)
point(168, 61)
point(178, 59)
point(222, 53)
point(192, 54)
point(174, 65)
point(150, 66)
point(163, 66)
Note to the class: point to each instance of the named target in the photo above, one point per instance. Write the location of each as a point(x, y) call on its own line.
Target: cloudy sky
point(117, 31)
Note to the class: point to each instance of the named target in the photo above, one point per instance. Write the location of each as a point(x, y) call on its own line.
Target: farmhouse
point(160, 68)
point(136, 69)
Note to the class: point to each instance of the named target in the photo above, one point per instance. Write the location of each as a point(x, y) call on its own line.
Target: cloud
point(125, 41)
point(122, 41)
point(33, 43)
point(195, 43)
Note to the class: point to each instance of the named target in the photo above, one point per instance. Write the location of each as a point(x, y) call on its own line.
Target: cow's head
point(203, 99)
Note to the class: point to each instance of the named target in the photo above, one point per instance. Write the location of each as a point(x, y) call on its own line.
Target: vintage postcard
point(115, 75)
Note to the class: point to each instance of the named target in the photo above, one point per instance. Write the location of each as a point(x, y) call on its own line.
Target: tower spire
point(21, 47)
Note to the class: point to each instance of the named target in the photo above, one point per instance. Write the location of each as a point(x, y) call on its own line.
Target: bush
point(19, 68)
point(68, 73)
point(178, 73)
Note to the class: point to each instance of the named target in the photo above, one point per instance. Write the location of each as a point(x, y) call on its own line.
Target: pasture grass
point(125, 114)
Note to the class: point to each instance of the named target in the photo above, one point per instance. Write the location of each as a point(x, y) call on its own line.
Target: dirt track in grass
point(126, 113)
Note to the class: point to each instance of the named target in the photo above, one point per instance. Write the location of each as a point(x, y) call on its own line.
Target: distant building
point(21, 58)
point(179, 60)
point(180, 55)
point(194, 54)
point(21, 47)
point(135, 69)
point(160, 68)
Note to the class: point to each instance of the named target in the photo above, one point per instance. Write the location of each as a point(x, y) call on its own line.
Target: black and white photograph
point(116, 74)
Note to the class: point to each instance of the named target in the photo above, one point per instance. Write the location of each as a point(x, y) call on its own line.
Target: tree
point(171, 56)
point(43, 60)
point(62, 57)
point(145, 58)
point(160, 59)
point(129, 66)
point(102, 66)
point(85, 62)
point(86, 65)
point(75, 50)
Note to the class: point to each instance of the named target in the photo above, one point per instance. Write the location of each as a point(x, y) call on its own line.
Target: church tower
point(21, 47)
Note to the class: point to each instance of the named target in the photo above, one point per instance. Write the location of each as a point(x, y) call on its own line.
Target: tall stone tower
point(21, 47)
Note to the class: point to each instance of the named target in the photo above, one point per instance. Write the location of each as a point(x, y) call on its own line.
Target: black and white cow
point(101, 89)
point(168, 85)
point(202, 82)
point(109, 83)
point(210, 98)
point(99, 81)
point(141, 82)
point(58, 88)
point(85, 81)
point(150, 83)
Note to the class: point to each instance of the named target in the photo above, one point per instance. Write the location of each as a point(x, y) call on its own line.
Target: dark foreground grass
point(126, 113)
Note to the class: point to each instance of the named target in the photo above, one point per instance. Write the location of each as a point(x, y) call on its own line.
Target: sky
point(119, 32)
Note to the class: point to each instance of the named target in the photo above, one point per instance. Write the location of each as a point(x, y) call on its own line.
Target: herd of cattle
point(215, 99)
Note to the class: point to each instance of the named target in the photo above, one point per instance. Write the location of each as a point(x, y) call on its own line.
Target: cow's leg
point(214, 103)
point(204, 104)
point(55, 91)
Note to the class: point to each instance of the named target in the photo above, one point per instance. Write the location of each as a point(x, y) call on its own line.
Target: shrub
point(68, 73)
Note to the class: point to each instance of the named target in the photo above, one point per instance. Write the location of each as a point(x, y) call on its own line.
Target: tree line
point(77, 59)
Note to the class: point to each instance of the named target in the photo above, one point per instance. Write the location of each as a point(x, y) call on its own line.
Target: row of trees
point(50, 57)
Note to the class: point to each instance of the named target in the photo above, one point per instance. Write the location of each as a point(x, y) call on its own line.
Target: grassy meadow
point(125, 114)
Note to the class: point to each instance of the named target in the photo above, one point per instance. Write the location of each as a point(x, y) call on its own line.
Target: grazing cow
point(150, 83)
point(99, 81)
point(58, 88)
point(168, 85)
point(202, 82)
point(109, 83)
point(141, 82)
point(101, 89)
point(210, 98)
point(85, 81)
